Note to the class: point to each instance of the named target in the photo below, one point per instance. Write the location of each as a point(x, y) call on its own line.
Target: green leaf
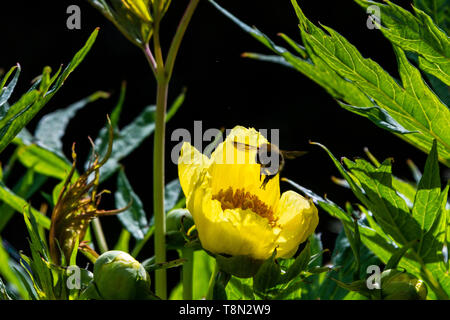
point(267, 276)
point(150, 266)
point(412, 105)
point(73, 256)
point(133, 219)
point(7, 270)
point(375, 241)
point(125, 141)
point(117, 111)
point(203, 267)
point(172, 194)
point(52, 127)
point(25, 188)
point(130, 137)
point(393, 216)
point(21, 113)
point(18, 204)
point(398, 255)
point(6, 92)
point(343, 258)
point(355, 244)
point(123, 244)
point(438, 10)
point(220, 283)
point(300, 264)
point(362, 86)
point(427, 210)
point(39, 253)
point(3, 292)
point(417, 33)
point(43, 161)
point(240, 289)
point(388, 208)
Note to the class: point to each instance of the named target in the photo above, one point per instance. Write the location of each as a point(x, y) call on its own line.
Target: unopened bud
point(118, 276)
point(398, 285)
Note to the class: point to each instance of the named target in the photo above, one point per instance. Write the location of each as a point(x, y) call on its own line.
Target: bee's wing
point(243, 146)
point(293, 154)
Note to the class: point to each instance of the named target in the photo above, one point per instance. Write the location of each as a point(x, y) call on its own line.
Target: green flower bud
point(118, 276)
point(398, 285)
point(178, 223)
point(179, 220)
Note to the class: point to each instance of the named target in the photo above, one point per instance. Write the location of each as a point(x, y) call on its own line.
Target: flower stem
point(150, 58)
point(162, 75)
point(212, 282)
point(176, 41)
point(158, 187)
point(99, 235)
point(141, 243)
point(188, 269)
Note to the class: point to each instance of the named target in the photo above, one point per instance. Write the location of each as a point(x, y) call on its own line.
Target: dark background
point(224, 89)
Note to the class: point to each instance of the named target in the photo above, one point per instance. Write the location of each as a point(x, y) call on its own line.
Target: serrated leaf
point(373, 240)
point(338, 67)
point(417, 33)
point(412, 105)
point(438, 10)
point(427, 210)
point(388, 208)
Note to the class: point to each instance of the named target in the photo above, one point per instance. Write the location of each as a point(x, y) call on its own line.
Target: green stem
point(158, 187)
point(10, 164)
point(140, 244)
point(162, 78)
point(176, 41)
point(212, 282)
point(99, 235)
point(188, 269)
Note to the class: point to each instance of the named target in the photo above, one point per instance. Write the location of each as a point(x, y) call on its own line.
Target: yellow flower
point(232, 213)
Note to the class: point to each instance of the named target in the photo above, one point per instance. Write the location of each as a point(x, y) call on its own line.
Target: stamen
point(244, 200)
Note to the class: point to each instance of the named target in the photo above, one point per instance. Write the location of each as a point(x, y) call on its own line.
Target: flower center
point(244, 200)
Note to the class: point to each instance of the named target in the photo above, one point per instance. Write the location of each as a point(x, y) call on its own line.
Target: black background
point(224, 89)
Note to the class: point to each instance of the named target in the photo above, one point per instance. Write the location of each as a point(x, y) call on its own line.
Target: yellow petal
point(297, 218)
point(237, 168)
point(234, 232)
point(190, 164)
